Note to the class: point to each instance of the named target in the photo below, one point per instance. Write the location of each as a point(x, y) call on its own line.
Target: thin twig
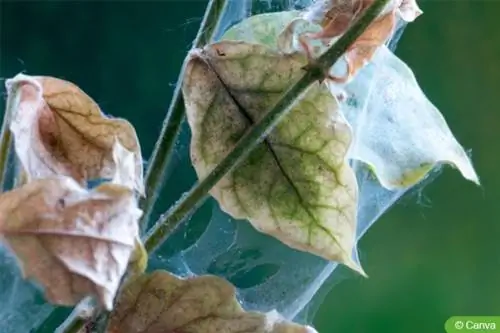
point(5, 141)
point(165, 144)
point(316, 71)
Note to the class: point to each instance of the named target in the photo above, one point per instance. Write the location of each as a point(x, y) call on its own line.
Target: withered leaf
point(60, 130)
point(161, 302)
point(296, 186)
point(335, 17)
point(74, 242)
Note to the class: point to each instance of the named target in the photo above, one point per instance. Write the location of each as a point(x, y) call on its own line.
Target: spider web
point(267, 274)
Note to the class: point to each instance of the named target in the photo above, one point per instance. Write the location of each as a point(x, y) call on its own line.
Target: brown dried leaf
point(75, 242)
point(58, 129)
point(335, 17)
point(364, 48)
point(163, 303)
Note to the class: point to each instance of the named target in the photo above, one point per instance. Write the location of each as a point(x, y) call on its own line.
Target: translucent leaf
point(73, 241)
point(60, 130)
point(162, 302)
point(297, 185)
point(406, 135)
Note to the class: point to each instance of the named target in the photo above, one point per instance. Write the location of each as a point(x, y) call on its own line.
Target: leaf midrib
point(278, 163)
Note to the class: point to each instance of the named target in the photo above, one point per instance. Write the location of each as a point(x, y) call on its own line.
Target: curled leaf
point(162, 302)
point(335, 17)
point(297, 185)
point(74, 242)
point(399, 132)
point(60, 130)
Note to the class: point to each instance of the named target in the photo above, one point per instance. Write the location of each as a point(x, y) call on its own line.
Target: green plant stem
point(316, 70)
point(5, 141)
point(174, 119)
point(165, 144)
point(198, 194)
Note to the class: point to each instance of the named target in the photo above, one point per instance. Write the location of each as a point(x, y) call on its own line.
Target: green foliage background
point(434, 255)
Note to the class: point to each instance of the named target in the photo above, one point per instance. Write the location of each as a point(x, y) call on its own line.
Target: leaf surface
point(162, 302)
point(296, 186)
point(60, 130)
point(74, 242)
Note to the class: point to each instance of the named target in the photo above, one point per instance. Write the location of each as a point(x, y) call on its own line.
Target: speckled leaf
point(74, 242)
point(162, 302)
point(60, 130)
point(406, 135)
point(401, 135)
point(296, 186)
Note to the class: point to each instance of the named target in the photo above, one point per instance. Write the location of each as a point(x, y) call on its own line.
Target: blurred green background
point(434, 255)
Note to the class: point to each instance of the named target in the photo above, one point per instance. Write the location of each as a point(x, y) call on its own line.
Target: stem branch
point(174, 119)
point(5, 141)
point(199, 193)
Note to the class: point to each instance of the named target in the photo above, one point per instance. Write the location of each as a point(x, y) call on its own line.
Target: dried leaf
point(296, 186)
point(335, 17)
point(75, 242)
point(362, 51)
point(162, 302)
point(60, 130)
point(405, 135)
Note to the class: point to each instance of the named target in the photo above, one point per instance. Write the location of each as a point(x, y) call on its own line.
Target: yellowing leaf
point(405, 135)
point(73, 241)
point(296, 186)
point(139, 259)
point(162, 302)
point(60, 130)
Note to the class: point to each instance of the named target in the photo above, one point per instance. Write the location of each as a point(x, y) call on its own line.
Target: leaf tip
point(355, 266)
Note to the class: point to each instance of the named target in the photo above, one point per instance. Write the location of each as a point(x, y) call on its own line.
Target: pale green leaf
point(162, 302)
point(297, 186)
point(262, 28)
